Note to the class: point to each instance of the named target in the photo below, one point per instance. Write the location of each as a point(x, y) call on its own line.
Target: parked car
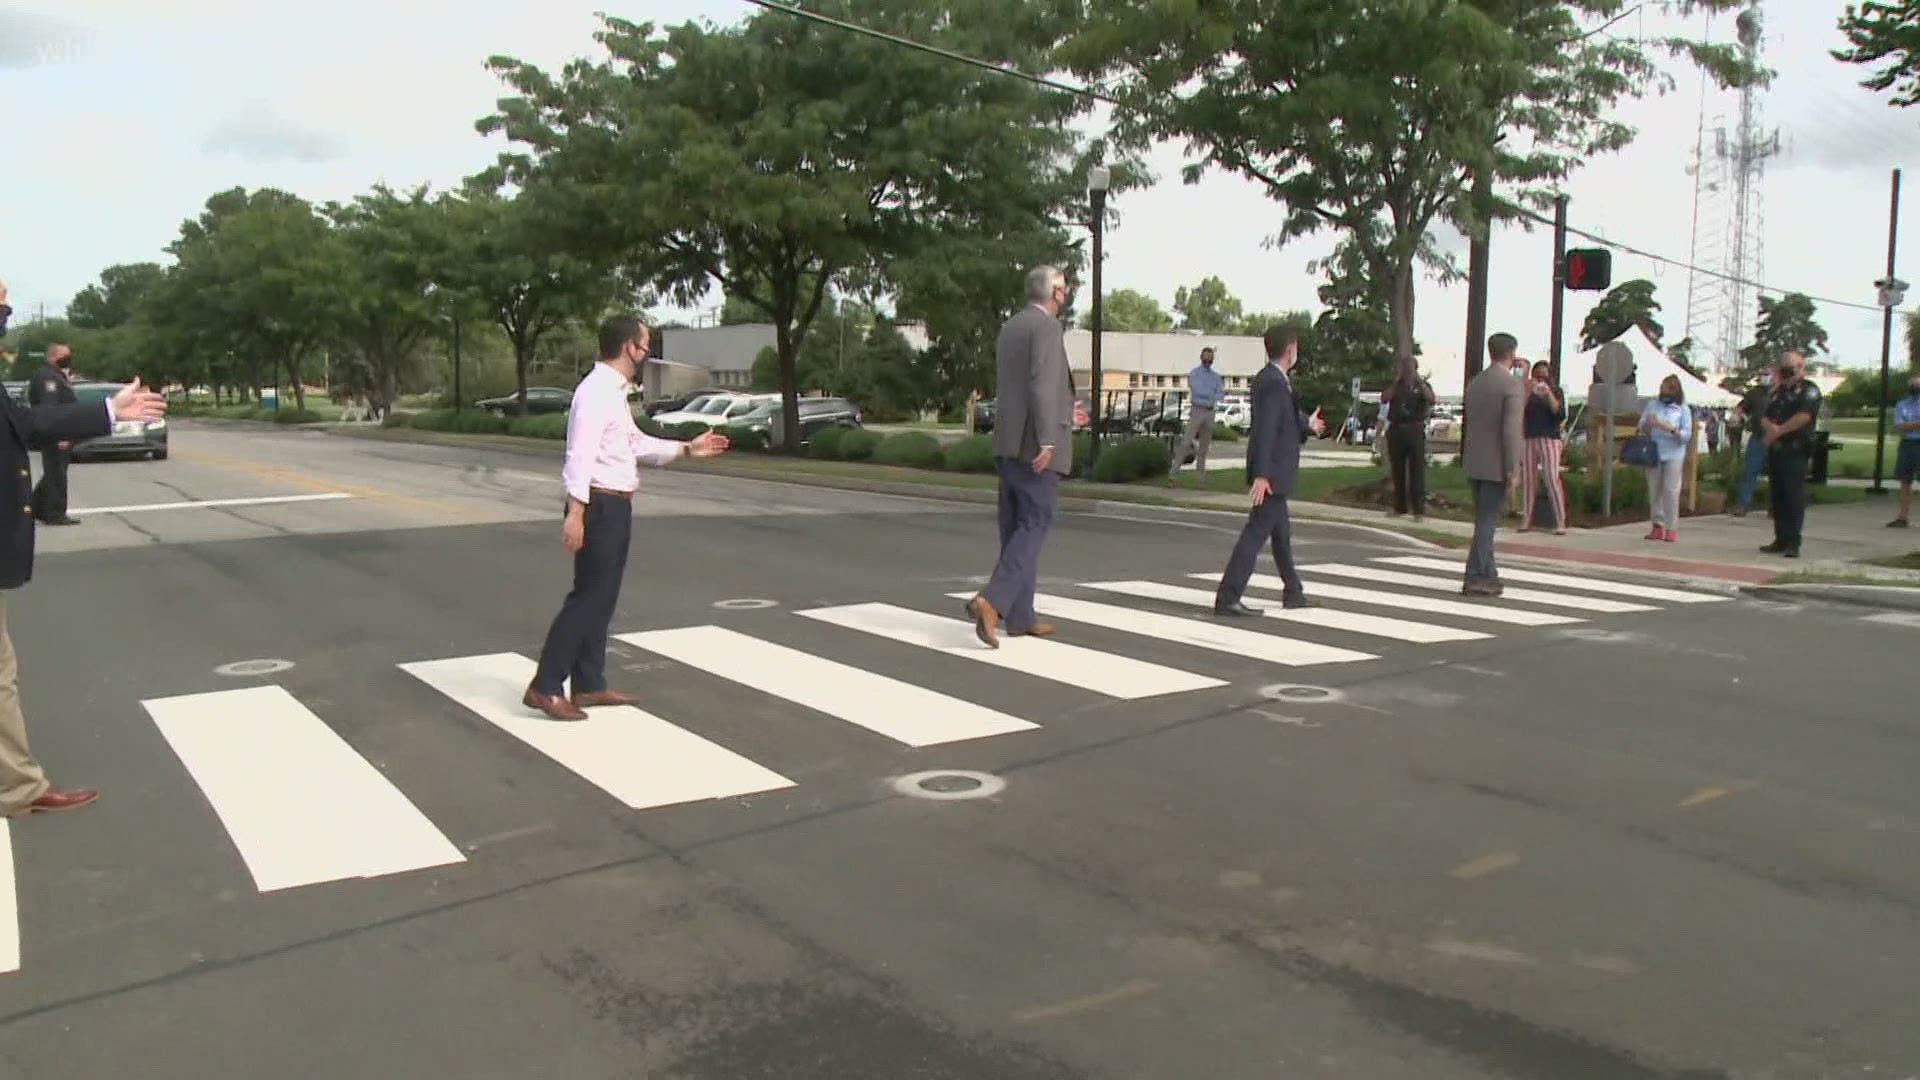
point(129, 438)
point(681, 402)
point(540, 400)
point(816, 415)
point(717, 410)
point(983, 411)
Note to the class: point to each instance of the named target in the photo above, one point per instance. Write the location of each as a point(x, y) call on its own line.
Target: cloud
point(30, 40)
point(262, 135)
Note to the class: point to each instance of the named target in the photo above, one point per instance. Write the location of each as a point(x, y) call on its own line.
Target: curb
point(1878, 597)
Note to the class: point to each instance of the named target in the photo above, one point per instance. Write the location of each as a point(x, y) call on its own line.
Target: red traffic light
point(1589, 269)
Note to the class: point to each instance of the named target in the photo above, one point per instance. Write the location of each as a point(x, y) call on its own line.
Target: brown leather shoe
point(555, 706)
point(985, 620)
point(596, 698)
point(54, 801)
point(1039, 629)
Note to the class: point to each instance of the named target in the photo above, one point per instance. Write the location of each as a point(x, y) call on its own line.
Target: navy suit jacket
point(35, 427)
point(1277, 430)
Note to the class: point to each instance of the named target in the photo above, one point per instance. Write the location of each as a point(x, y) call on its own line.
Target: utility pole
point(1891, 290)
point(1098, 180)
point(1559, 283)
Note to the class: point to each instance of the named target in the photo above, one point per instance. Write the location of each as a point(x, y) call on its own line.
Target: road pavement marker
point(1327, 618)
point(636, 757)
point(1569, 581)
point(1704, 795)
point(901, 711)
point(1411, 602)
point(1250, 644)
point(1422, 581)
point(210, 504)
point(1074, 665)
point(1491, 863)
point(9, 906)
point(300, 804)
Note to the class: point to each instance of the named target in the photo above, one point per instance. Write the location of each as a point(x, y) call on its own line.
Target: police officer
point(1787, 432)
point(53, 385)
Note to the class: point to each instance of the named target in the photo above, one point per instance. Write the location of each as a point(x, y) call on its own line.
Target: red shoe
point(1655, 534)
point(1671, 536)
point(55, 800)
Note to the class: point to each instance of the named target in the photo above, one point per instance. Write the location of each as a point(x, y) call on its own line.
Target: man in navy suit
point(1273, 459)
point(23, 785)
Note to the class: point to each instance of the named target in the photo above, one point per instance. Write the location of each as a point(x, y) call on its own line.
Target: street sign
point(1613, 399)
point(1356, 387)
point(1614, 364)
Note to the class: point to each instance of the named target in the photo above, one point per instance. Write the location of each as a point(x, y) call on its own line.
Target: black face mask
point(5, 314)
point(1669, 399)
point(1914, 390)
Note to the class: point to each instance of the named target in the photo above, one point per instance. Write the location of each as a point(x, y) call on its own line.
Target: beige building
point(1131, 361)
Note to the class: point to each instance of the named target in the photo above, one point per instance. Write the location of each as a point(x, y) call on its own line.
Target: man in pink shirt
point(605, 450)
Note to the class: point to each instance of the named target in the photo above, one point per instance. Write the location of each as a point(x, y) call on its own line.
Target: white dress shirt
point(605, 448)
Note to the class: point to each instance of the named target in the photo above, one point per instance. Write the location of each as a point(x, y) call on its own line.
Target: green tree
point(1132, 311)
point(1859, 393)
point(1626, 305)
point(1208, 307)
point(1349, 129)
point(395, 245)
point(263, 268)
point(782, 160)
point(117, 298)
point(1786, 325)
point(1887, 33)
point(1353, 335)
point(1912, 319)
point(517, 258)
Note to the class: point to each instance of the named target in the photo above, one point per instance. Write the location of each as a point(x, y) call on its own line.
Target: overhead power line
point(932, 50)
point(1088, 92)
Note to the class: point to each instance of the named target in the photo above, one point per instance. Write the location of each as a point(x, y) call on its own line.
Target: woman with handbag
point(1667, 425)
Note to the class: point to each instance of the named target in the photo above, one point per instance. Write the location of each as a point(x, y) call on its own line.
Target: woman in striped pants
point(1546, 412)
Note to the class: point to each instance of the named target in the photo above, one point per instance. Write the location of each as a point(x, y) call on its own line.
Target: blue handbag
point(1641, 452)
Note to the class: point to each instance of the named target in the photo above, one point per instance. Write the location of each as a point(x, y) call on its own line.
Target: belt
point(1209, 406)
point(627, 495)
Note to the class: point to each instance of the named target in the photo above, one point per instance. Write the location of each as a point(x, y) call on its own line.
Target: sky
point(127, 115)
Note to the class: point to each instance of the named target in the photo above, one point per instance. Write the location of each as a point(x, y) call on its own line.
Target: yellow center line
point(311, 483)
point(1131, 989)
point(1491, 863)
point(1705, 794)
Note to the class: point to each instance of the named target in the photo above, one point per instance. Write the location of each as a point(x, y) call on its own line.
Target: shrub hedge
point(1138, 457)
point(859, 445)
point(972, 454)
point(914, 449)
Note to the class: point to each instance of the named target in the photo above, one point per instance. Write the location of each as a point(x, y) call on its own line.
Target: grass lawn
point(1909, 561)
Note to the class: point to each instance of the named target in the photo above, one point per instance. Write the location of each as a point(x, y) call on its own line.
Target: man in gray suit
point(1032, 449)
point(1491, 446)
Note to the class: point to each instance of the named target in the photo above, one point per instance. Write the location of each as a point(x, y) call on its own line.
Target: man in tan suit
point(1491, 448)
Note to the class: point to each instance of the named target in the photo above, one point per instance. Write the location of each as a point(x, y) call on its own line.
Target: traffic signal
point(1589, 269)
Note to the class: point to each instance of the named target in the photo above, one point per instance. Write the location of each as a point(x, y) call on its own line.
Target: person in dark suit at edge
point(23, 785)
point(53, 385)
point(1273, 460)
point(1032, 450)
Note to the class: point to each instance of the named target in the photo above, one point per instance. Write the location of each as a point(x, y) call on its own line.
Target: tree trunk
point(1400, 309)
point(522, 360)
point(789, 353)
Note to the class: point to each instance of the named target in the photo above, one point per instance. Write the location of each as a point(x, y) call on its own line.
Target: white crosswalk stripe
point(1202, 635)
point(1422, 581)
point(1570, 581)
point(9, 906)
point(300, 804)
point(1432, 605)
point(1074, 665)
point(1327, 618)
point(634, 756)
point(899, 710)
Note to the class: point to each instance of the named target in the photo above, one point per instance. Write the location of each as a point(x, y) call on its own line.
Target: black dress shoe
point(1774, 548)
point(1295, 603)
point(1235, 608)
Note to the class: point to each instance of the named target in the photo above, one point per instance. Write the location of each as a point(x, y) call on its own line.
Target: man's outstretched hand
point(710, 444)
point(135, 402)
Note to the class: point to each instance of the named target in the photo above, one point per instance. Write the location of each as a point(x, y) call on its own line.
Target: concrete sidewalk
point(1836, 538)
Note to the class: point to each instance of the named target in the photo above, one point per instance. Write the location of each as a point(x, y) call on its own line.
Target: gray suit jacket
point(1035, 388)
point(1491, 441)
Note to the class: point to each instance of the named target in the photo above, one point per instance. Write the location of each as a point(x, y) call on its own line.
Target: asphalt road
point(1677, 841)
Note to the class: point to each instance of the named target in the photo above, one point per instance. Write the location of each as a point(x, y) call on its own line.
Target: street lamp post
point(1099, 179)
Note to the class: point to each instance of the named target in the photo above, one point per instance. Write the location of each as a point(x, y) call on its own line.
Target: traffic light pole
point(1559, 284)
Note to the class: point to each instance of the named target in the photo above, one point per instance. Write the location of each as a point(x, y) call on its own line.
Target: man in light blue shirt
point(1906, 465)
point(1205, 388)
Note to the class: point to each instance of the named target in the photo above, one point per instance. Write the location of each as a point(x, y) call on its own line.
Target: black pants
point(1407, 464)
point(1787, 479)
point(1267, 523)
point(1027, 501)
point(50, 494)
point(577, 642)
